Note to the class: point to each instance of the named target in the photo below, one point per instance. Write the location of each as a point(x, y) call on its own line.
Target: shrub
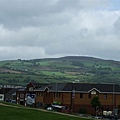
point(82, 111)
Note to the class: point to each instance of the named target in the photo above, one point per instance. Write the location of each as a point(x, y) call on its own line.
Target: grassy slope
point(10, 113)
point(85, 69)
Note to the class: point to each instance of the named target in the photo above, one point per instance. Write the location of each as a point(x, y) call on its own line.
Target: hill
point(64, 69)
point(19, 113)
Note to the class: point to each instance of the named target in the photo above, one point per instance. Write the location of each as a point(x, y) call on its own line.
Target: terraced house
point(73, 96)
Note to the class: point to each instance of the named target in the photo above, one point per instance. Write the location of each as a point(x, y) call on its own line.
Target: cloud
point(24, 13)
point(35, 29)
point(95, 4)
point(21, 52)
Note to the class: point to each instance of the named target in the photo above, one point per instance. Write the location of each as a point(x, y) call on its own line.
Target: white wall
point(1, 97)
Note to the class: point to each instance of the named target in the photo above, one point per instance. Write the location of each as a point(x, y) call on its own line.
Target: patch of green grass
point(66, 69)
point(53, 73)
point(11, 113)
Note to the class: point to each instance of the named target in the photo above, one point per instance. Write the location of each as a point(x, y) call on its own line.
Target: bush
point(56, 103)
point(82, 111)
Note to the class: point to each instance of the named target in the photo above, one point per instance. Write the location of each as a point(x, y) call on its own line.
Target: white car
point(50, 108)
point(98, 117)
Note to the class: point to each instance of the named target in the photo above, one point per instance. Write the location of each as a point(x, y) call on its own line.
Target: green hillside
point(11, 113)
point(65, 69)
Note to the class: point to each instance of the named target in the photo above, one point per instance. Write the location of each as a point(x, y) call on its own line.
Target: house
point(3, 92)
point(73, 96)
point(20, 96)
point(26, 96)
point(8, 94)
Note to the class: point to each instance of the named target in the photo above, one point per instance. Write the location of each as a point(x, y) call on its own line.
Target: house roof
point(87, 87)
point(53, 87)
point(22, 89)
point(13, 90)
point(37, 85)
point(9, 91)
point(81, 87)
point(4, 90)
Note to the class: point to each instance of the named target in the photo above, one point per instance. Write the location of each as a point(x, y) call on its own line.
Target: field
point(11, 113)
point(66, 69)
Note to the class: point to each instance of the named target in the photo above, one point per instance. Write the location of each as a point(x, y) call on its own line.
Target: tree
point(95, 102)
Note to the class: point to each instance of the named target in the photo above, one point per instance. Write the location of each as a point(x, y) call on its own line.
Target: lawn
point(11, 113)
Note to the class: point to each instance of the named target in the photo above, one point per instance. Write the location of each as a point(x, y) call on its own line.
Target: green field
point(66, 69)
point(11, 113)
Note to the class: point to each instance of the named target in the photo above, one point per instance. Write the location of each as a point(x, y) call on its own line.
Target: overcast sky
point(32, 29)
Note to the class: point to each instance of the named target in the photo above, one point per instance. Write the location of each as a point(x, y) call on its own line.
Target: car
point(98, 117)
point(50, 108)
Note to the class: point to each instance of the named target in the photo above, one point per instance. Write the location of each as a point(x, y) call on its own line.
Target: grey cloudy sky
point(31, 29)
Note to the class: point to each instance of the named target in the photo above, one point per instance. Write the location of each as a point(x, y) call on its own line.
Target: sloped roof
point(13, 90)
point(4, 90)
point(22, 89)
point(53, 87)
point(81, 87)
point(38, 85)
point(86, 87)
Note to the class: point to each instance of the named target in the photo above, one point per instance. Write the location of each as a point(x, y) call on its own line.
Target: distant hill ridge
point(63, 69)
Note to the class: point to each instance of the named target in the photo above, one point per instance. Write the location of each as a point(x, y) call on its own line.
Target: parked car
point(98, 117)
point(50, 108)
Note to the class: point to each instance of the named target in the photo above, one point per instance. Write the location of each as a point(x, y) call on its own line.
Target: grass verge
point(11, 113)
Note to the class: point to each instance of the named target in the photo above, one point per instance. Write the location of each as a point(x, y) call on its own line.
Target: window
point(36, 93)
point(97, 95)
point(17, 94)
point(105, 96)
point(1, 97)
point(59, 95)
point(56, 94)
point(47, 94)
point(89, 95)
point(81, 95)
point(41, 94)
point(21, 95)
point(93, 92)
point(31, 89)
